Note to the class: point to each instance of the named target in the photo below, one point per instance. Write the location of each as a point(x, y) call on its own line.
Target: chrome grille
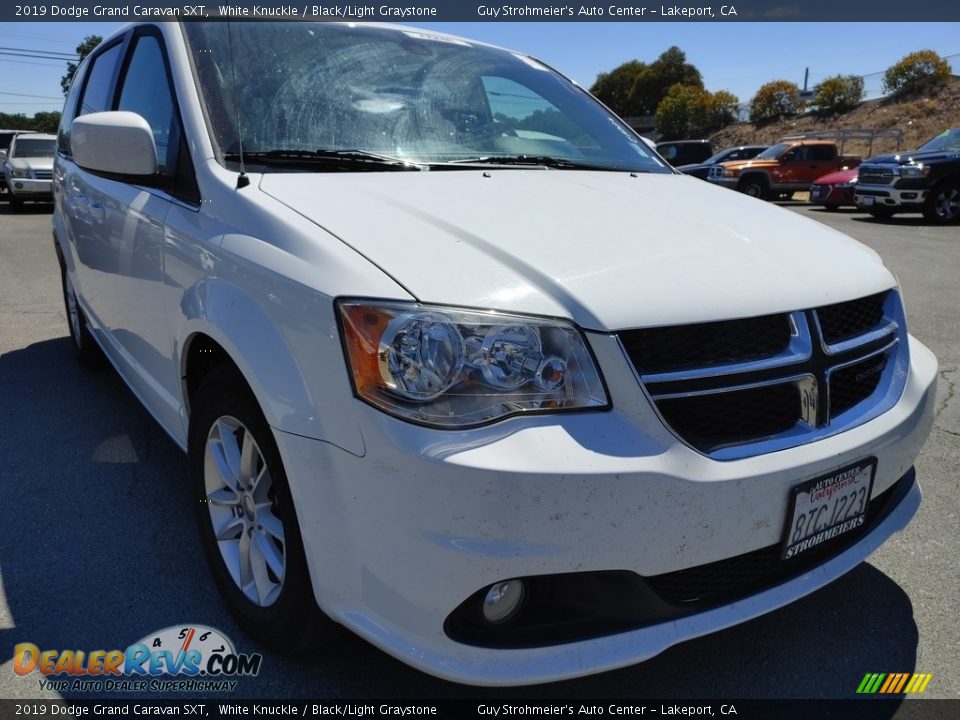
point(875, 175)
point(43, 174)
point(736, 388)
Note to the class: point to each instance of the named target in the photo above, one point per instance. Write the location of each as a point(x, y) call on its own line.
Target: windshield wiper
point(534, 160)
point(325, 159)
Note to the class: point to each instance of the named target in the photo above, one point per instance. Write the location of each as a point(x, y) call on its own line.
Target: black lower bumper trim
point(570, 607)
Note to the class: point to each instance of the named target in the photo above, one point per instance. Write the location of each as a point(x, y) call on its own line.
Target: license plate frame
point(868, 200)
point(836, 485)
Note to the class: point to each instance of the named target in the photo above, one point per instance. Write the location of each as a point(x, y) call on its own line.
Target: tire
point(943, 203)
point(249, 503)
point(85, 348)
point(881, 213)
point(754, 187)
point(16, 204)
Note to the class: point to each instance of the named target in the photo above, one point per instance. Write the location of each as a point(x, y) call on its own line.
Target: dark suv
point(925, 180)
point(685, 152)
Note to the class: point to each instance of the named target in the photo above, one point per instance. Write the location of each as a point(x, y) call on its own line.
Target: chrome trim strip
point(798, 350)
point(786, 380)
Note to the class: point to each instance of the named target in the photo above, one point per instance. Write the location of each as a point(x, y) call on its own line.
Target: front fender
point(263, 350)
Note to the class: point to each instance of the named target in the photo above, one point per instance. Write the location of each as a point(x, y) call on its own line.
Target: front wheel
point(246, 517)
point(754, 187)
point(943, 204)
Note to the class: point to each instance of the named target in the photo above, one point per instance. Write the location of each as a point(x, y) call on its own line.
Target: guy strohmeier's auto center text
point(361, 12)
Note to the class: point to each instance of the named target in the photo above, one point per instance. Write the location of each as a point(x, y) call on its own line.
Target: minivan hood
point(606, 249)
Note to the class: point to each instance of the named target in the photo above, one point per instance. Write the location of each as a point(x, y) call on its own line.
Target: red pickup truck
point(784, 168)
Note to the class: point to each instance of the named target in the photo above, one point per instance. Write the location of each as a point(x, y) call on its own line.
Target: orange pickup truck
point(782, 169)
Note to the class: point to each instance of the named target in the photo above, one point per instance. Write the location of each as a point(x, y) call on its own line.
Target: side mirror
point(116, 142)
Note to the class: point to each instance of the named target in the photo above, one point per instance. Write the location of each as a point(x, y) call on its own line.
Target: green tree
point(15, 121)
point(46, 122)
point(653, 83)
point(675, 112)
point(613, 88)
point(780, 98)
point(921, 70)
point(689, 111)
point(83, 49)
point(838, 93)
point(722, 109)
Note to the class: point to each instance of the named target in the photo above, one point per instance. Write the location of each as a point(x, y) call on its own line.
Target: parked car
point(685, 152)
point(834, 190)
point(6, 137)
point(783, 169)
point(28, 168)
point(925, 180)
point(542, 411)
point(701, 170)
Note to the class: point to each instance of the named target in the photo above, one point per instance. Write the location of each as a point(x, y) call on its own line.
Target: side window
point(69, 110)
point(94, 82)
point(146, 91)
point(821, 153)
point(96, 92)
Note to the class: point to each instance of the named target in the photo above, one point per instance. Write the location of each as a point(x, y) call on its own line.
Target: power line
point(42, 97)
point(27, 62)
point(38, 36)
point(67, 56)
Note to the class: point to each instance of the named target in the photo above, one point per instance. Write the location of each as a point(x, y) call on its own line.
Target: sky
point(738, 57)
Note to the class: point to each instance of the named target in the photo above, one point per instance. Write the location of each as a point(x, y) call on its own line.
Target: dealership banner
point(491, 10)
point(490, 708)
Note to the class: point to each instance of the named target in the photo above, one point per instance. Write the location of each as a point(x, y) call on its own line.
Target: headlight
point(914, 171)
point(456, 368)
point(846, 185)
point(20, 172)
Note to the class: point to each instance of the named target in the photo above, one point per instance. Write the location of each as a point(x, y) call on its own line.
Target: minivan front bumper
point(397, 539)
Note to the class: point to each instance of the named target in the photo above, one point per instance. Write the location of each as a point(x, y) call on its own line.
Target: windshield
point(33, 148)
point(947, 140)
point(773, 152)
point(402, 94)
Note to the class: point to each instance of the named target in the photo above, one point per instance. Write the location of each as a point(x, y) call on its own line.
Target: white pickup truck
point(459, 362)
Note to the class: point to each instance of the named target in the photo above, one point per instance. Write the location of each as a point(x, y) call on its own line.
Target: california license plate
point(867, 201)
point(826, 507)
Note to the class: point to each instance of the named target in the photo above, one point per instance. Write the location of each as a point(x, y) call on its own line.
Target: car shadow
point(30, 208)
point(838, 211)
point(901, 220)
point(99, 549)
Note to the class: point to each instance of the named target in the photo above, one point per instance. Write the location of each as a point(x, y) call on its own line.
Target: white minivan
point(459, 362)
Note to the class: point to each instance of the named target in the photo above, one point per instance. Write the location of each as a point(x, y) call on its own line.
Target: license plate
point(867, 201)
point(826, 507)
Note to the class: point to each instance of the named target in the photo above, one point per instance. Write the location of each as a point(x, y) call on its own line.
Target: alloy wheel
point(242, 505)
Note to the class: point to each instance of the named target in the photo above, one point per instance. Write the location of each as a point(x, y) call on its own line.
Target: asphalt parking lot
point(98, 546)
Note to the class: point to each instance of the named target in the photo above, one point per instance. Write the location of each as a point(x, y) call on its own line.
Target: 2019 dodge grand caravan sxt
point(459, 362)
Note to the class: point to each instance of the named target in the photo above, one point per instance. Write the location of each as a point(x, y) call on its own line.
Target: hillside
point(919, 117)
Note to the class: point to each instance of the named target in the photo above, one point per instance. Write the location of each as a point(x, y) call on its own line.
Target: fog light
point(503, 601)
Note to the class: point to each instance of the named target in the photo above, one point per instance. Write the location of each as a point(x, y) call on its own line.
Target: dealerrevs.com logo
point(182, 658)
